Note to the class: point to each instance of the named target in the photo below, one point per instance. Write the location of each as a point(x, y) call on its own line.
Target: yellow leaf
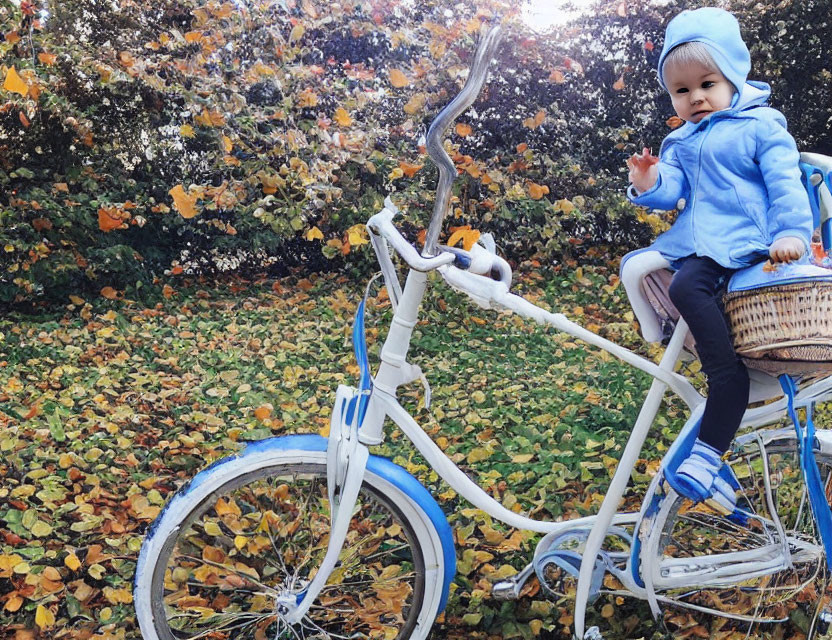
point(478, 454)
point(193, 36)
point(342, 117)
point(357, 234)
point(415, 104)
point(76, 300)
point(398, 79)
point(186, 131)
point(226, 141)
point(118, 596)
point(183, 202)
point(240, 542)
point(564, 205)
point(314, 234)
point(44, 618)
point(297, 33)
point(15, 83)
point(72, 562)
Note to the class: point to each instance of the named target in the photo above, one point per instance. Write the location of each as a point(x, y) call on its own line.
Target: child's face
point(697, 91)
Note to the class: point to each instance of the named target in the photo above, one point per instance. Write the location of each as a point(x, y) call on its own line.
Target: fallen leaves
point(398, 79)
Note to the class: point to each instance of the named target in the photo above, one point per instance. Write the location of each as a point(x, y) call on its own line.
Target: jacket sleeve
point(670, 185)
point(789, 213)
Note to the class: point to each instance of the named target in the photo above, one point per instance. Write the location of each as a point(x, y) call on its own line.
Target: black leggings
point(696, 290)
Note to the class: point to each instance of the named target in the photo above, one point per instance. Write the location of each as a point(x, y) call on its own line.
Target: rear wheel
point(231, 560)
point(733, 567)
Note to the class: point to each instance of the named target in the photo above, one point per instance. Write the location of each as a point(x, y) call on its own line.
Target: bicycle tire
point(683, 532)
point(189, 579)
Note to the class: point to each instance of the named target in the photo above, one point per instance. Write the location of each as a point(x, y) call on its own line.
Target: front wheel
point(232, 554)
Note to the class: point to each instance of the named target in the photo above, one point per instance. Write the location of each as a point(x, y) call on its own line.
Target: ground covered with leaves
point(108, 406)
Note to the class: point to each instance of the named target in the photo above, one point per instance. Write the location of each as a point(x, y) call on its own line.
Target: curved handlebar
point(381, 224)
point(447, 170)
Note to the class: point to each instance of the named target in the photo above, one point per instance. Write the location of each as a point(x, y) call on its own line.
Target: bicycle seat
point(646, 276)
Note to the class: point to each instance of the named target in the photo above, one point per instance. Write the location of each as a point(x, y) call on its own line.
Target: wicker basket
point(783, 328)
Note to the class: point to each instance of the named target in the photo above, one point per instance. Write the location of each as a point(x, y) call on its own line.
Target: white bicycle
point(307, 537)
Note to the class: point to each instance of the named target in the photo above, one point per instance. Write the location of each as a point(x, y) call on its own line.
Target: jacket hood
point(720, 32)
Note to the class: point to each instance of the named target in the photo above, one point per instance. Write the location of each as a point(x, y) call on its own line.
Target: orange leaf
point(62, 186)
point(522, 147)
point(177, 270)
point(463, 129)
point(466, 234)
point(534, 123)
point(537, 191)
point(47, 58)
point(557, 77)
point(263, 412)
point(168, 291)
point(15, 83)
point(12, 37)
point(193, 36)
point(210, 118)
point(23, 119)
point(674, 122)
point(409, 169)
point(649, 45)
point(342, 117)
point(183, 203)
point(109, 293)
point(109, 218)
point(126, 59)
point(618, 85)
point(14, 603)
point(398, 79)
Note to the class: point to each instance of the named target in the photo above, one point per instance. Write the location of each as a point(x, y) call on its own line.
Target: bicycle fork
point(346, 462)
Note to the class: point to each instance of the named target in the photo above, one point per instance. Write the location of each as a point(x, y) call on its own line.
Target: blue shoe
point(698, 479)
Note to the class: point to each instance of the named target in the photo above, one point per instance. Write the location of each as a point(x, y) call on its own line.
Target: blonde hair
point(690, 53)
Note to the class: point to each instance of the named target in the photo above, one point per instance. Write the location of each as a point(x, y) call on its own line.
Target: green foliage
point(285, 125)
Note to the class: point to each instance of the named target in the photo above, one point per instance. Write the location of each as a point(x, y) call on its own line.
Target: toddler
point(732, 171)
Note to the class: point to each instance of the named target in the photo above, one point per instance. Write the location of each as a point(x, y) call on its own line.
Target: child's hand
point(786, 249)
point(643, 170)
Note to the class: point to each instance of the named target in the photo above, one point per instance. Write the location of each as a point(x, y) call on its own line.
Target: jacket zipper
point(696, 184)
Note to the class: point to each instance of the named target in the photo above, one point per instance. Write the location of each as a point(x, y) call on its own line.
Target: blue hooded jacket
point(736, 170)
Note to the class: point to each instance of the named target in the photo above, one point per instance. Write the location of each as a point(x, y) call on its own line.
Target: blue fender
point(391, 472)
